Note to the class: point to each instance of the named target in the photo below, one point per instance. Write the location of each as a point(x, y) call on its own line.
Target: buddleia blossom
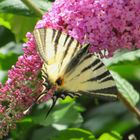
point(105, 24)
point(22, 87)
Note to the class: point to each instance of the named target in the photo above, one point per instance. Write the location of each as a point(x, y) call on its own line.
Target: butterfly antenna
point(54, 99)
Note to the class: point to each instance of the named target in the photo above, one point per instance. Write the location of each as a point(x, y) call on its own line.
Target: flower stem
point(33, 7)
point(130, 106)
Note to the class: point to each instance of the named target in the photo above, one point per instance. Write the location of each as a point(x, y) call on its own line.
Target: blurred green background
point(85, 118)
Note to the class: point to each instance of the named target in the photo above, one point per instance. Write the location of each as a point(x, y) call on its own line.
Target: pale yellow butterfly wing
point(88, 75)
point(56, 49)
point(64, 57)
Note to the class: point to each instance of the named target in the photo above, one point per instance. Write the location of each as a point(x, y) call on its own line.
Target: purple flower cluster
point(22, 87)
point(105, 24)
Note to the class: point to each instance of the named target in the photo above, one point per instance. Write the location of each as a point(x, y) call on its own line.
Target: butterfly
point(69, 67)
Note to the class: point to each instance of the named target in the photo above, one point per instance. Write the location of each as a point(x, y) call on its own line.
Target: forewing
point(56, 49)
point(39, 36)
point(88, 75)
point(54, 46)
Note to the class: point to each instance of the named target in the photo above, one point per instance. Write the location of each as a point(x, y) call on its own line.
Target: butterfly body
point(70, 68)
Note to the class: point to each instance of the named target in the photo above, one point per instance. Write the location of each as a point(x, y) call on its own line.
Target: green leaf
point(43, 4)
point(7, 60)
point(63, 116)
point(74, 134)
point(130, 72)
point(12, 47)
point(25, 24)
point(4, 23)
point(5, 36)
point(21, 131)
point(3, 76)
point(126, 64)
point(126, 89)
point(132, 57)
point(43, 133)
point(111, 136)
point(25, 120)
point(18, 7)
point(106, 117)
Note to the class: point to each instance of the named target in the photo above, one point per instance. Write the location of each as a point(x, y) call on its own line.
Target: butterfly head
point(60, 81)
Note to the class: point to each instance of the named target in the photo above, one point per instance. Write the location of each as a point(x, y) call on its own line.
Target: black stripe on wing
point(76, 59)
point(107, 79)
point(99, 66)
point(40, 36)
point(90, 66)
point(56, 40)
point(67, 47)
point(108, 90)
point(105, 76)
point(109, 93)
point(88, 55)
point(67, 36)
point(93, 64)
point(76, 48)
point(53, 34)
point(44, 38)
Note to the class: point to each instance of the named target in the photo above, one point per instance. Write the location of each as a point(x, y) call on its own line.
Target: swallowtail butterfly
point(71, 68)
